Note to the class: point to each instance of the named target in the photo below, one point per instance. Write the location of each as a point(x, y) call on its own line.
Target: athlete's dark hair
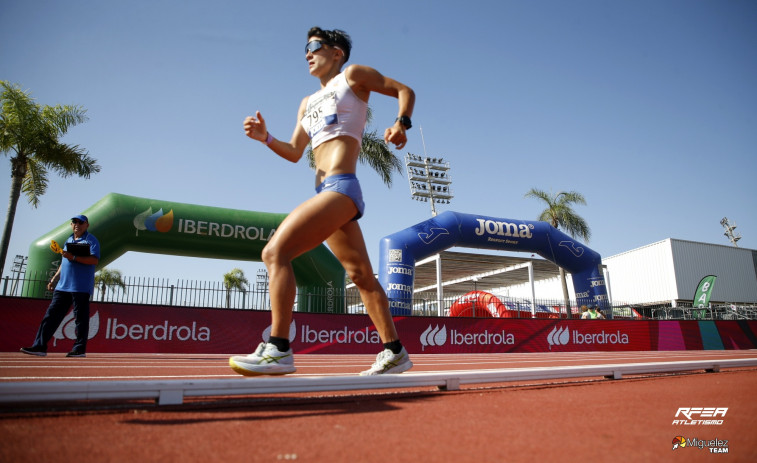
point(336, 38)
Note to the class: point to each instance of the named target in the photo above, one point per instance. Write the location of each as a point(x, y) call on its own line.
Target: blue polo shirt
point(76, 277)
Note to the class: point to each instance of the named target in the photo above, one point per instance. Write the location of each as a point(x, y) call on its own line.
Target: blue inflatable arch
point(399, 252)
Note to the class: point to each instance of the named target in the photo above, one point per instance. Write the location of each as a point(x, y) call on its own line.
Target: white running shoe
point(389, 363)
point(266, 360)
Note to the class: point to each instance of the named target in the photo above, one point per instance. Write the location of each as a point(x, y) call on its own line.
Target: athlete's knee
point(271, 255)
point(363, 278)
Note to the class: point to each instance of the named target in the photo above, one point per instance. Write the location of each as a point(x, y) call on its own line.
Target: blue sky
point(647, 108)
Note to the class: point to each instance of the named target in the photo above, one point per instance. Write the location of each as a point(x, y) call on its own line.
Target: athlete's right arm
point(292, 151)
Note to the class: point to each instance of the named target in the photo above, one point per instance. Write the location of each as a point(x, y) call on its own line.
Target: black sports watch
point(405, 121)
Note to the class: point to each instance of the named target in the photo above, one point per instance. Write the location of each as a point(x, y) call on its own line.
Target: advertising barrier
point(125, 328)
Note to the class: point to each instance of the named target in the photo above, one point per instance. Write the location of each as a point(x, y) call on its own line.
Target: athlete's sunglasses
point(314, 46)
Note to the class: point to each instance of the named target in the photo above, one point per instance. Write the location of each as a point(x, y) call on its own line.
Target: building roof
point(463, 271)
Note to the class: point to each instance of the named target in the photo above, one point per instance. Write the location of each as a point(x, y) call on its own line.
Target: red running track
point(567, 420)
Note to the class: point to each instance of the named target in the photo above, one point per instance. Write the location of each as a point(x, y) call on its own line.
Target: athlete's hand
point(254, 127)
point(396, 135)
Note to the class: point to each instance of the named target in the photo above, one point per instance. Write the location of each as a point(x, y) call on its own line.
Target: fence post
point(170, 296)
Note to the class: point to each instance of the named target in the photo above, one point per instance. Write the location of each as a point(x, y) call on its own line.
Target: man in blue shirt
point(73, 283)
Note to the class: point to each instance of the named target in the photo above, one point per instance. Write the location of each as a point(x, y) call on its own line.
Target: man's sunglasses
point(76, 221)
point(314, 46)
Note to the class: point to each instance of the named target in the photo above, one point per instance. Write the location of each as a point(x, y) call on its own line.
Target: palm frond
point(559, 211)
point(379, 157)
point(34, 184)
point(109, 277)
point(68, 160)
point(63, 117)
point(235, 279)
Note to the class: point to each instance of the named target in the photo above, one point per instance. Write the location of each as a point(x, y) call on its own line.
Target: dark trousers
point(57, 310)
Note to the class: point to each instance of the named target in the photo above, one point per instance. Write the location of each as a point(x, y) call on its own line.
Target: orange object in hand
point(55, 247)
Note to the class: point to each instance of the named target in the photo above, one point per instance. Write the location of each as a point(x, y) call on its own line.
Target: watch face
point(404, 120)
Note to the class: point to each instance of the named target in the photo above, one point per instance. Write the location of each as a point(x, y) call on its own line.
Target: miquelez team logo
point(712, 445)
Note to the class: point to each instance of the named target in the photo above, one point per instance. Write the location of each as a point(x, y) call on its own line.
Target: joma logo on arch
point(493, 227)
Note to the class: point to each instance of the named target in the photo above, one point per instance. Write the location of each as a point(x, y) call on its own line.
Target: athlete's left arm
point(364, 79)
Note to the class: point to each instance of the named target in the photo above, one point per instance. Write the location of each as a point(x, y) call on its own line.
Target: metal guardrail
point(718, 312)
point(160, 291)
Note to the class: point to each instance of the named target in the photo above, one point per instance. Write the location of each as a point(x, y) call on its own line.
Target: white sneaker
point(389, 363)
point(266, 360)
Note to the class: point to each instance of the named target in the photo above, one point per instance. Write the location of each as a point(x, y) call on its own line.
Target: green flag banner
point(702, 295)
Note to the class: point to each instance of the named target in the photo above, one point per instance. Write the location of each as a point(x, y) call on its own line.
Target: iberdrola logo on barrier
point(67, 328)
point(157, 221)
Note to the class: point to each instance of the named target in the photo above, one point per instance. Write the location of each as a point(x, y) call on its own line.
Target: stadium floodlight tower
point(729, 231)
point(429, 179)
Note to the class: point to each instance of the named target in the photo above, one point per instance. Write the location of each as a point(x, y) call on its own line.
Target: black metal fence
point(188, 293)
point(157, 291)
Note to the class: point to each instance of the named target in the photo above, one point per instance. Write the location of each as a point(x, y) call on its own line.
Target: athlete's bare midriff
point(336, 156)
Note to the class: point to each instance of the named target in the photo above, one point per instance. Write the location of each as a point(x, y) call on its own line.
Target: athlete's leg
point(348, 245)
point(303, 229)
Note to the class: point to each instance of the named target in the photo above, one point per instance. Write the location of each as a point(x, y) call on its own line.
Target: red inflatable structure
point(478, 304)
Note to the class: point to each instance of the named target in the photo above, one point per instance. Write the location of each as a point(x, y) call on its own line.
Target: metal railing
point(715, 312)
point(188, 293)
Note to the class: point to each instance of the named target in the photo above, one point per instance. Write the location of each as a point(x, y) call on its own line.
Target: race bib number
point(321, 111)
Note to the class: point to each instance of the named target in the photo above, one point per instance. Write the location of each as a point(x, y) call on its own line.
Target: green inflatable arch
point(126, 223)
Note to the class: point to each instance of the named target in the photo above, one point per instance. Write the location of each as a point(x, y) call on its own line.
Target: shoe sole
point(77, 355)
point(260, 370)
point(38, 354)
point(392, 371)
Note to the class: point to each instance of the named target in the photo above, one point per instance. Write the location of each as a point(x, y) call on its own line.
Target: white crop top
point(334, 111)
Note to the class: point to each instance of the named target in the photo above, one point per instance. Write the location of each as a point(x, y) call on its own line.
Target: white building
point(666, 272)
point(670, 270)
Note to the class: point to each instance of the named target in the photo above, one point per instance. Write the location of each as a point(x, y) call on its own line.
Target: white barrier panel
point(173, 392)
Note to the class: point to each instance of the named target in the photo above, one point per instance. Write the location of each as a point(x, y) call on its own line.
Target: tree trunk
point(17, 178)
point(565, 295)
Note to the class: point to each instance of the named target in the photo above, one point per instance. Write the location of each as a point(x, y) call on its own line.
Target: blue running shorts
point(348, 185)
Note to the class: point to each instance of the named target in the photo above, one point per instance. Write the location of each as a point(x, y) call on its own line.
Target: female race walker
point(333, 120)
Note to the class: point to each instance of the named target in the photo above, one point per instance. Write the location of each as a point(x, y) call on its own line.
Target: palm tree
point(560, 214)
point(235, 279)
point(32, 132)
point(105, 278)
point(374, 153)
